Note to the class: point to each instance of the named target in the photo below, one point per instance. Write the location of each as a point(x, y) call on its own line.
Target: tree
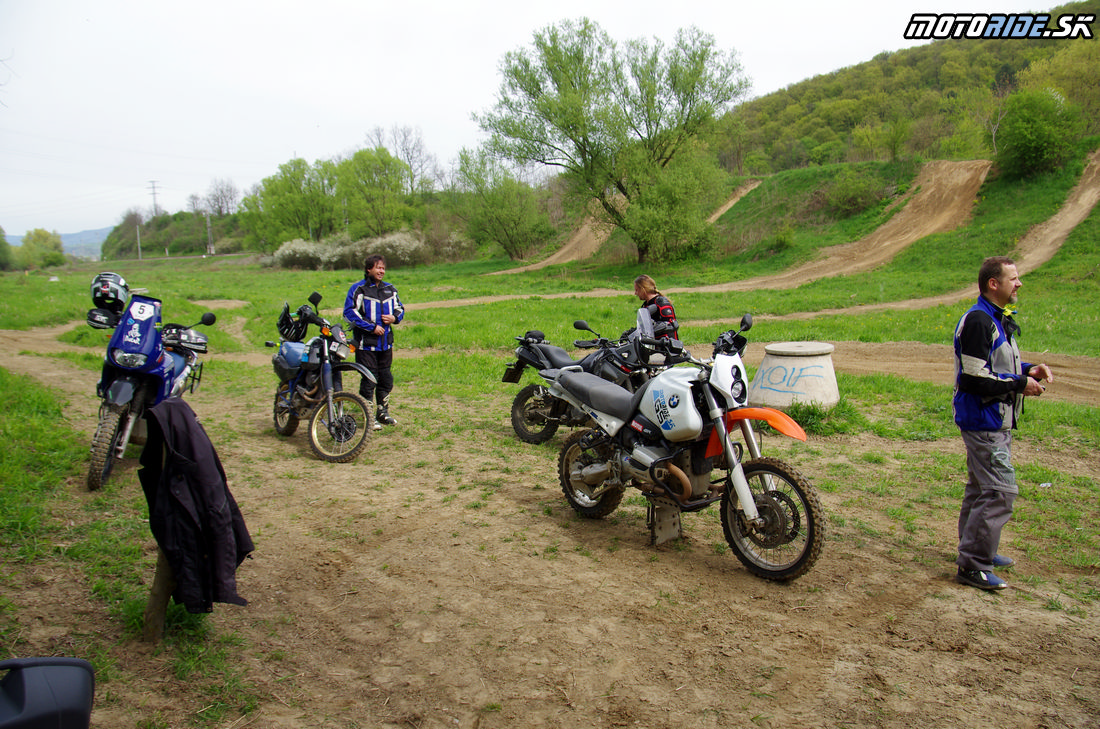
point(1073, 72)
point(6, 259)
point(298, 202)
point(500, 208)
point(612, 120)
point(40, 249)
point(1038, 133)
point(370, 186)
point(222, 198)
point(408, 146)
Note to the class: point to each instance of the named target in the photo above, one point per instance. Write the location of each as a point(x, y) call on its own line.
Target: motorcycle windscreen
point(782, 422)
point(645, 322)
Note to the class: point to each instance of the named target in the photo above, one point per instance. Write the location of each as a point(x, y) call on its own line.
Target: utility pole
point(153, 187)
point(209, 237)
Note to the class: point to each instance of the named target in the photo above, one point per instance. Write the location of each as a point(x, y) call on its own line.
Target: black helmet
point(291, 329)
point(109, 291)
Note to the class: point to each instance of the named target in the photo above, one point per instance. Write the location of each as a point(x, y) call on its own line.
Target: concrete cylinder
point(793, 372)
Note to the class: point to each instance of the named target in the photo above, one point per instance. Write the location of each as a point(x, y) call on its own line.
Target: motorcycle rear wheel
point(574, 456)
point(531, 414)
point(790, 541)
point(286, 422)
point(345, 437)
point(105, 444)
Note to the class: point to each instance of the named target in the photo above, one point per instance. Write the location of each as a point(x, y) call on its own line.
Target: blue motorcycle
point(311, 387)
point(146, 363)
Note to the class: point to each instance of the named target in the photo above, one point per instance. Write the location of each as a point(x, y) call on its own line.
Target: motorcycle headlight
point(128, 359)
point(738, 388)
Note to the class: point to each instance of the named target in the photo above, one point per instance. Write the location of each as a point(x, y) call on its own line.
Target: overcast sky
point(102, 102)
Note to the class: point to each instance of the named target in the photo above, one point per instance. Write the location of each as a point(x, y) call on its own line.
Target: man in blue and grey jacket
point(990, 384)
point(373, 308)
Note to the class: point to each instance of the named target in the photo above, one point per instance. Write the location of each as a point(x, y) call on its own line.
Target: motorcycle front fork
point(737, 473)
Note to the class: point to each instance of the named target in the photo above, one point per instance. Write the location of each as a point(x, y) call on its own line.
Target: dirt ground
point(442, 582)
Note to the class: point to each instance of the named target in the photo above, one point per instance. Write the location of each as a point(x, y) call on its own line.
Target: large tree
point(371, 186)
point(615, 119)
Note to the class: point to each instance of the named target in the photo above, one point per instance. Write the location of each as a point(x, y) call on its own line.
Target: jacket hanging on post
point(192, 514)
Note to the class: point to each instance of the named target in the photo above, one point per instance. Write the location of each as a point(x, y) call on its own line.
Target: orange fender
point(779, 420)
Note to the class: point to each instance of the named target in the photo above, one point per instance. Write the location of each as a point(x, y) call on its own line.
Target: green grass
point(42, 459)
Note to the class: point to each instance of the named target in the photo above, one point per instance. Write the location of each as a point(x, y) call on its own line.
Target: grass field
point(1060, 310)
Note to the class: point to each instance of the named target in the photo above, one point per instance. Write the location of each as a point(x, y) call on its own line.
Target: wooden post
point(164, 584)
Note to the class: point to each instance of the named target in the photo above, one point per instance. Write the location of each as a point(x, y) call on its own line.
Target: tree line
point(647, 138)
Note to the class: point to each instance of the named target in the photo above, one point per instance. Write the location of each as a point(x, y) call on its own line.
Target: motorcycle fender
point(779, 420)
point(121, 391)
point(355, 367)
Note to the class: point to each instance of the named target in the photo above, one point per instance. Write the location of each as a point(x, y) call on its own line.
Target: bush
point(1038, 134)
point(299, 253)
point(852, 192)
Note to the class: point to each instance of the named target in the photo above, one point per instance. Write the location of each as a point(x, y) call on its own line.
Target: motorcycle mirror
point(315, 299)
point(583, 326)
point(208, 318)
point(746, 322)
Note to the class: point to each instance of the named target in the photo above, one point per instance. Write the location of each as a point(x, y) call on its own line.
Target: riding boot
point(383, 415)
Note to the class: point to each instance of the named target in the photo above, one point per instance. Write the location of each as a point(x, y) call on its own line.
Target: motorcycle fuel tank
point(669, 404)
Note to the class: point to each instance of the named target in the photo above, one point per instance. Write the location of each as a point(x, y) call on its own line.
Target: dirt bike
point(671, 440)
point(536, 414)
point(146, 363)
point(311, 387)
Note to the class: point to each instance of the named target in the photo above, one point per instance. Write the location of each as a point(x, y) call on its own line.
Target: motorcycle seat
point(558, 357)
point(599, 394)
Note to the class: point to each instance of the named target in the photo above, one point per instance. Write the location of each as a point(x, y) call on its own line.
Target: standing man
point(990, 385)
point(373, 308)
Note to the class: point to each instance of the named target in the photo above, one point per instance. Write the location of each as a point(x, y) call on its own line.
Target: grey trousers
point(990, 493)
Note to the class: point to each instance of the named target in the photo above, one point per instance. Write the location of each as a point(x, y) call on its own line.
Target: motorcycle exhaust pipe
point(682, 477)
point(591, 475)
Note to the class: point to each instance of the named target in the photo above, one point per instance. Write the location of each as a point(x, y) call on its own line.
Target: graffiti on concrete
point(788, 379)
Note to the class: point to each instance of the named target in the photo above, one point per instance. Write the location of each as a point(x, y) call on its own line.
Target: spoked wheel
point(105, 444)
point(789, 539)
point(341, 438)
point(286, 422)
point(578, 468)
point(532, 416)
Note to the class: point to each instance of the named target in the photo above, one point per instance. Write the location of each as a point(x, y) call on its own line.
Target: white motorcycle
point(671, 440)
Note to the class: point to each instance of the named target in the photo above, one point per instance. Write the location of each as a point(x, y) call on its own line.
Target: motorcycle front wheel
point(343, 437)
point(105, 444)
point(588, 500)
point(286, 422)
point(531, 414)
point(788, 541)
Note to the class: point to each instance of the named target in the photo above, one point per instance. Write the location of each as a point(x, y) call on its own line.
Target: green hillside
point(946, 99)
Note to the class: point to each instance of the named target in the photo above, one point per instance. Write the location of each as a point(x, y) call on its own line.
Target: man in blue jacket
point(373, 308)
point(990, 385)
